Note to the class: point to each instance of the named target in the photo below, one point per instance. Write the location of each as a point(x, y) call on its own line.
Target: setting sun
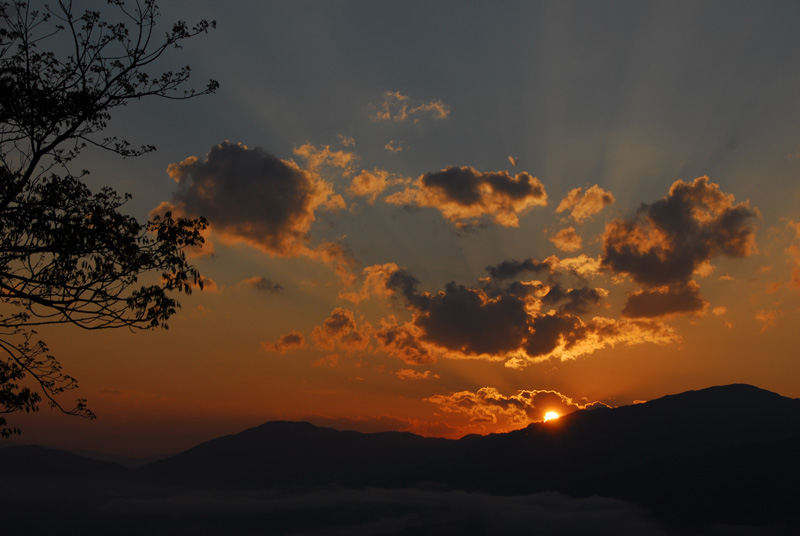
point(551, 415)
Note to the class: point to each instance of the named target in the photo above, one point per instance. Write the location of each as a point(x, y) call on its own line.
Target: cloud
point(665, 301)
point(666, 241)
point(573, 300)
point(464, 195)
point(563, 336)
point(585, 206)
point(411, 374)
point(582, 265)
point(669, 241)
point(346, 141)
point(767, 318)
point(205, 284)
point(392, 148)
point(400, 108)
point(512, 268)
point(370, 184)
point(462, 319)
point(520, 323)
point(317, 157)
point(252, 197)
point(513, 160)
point(262, 284)
point(206, 249)
point(567, 240)
point(489, 405)
point(404, 342)
point(340, 330)
point(290, 341)
point(374, 282)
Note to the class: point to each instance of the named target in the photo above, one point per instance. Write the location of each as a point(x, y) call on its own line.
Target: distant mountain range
point(724, 455)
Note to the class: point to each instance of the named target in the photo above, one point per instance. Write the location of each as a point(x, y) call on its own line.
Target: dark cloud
point(467, 321)
point(289, 341)
point(574, 300)
point(665, 301)
point(406, 285)
point(512, 268)
point(250, 196)
point(464, 195)
point(551, 331)
point(666, 241)
point(509, 323)
point(263, 284)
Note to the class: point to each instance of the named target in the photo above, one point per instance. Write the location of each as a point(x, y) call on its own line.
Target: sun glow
point(551, 415)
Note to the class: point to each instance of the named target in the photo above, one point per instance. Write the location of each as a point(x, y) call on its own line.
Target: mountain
point(725, 455)
point(35, 462)
point(649, 453)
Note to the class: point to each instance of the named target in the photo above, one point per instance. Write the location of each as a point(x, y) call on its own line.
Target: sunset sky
point(453, 217)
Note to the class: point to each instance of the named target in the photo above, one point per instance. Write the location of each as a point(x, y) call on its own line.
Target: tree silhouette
point(67, 254)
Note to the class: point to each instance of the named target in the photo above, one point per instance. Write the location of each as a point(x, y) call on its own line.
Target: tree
point(67, 254)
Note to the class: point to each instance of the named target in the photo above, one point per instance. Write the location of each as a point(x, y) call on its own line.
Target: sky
point(453, 217)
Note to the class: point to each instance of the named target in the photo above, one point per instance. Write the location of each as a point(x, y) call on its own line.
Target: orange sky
point(458, 233)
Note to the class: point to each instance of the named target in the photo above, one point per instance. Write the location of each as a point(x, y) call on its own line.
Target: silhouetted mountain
point(32, 461)
point(648, 453)
point(724, 455)
point(299, 455)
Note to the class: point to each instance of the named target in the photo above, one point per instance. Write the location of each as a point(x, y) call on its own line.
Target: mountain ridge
point(696, 457)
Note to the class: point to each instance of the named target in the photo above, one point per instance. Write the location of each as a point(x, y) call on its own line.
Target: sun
point(551, 415)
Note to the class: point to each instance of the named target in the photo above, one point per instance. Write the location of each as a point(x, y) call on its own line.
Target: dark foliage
point(67, 254)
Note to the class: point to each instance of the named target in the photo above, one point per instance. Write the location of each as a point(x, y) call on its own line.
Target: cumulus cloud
point(563, 336)
point(666, 241)
point(411, 374)
point(404, 342)
point(373, 282)
point(467, 321)
point(370, 184)
point(252, 197)
point(666, 301)
point(489, 405)
point(340, 330)
point(583, 207)
point(669, 241)
point(317, 157)
point(290, 341)
point(512, 268)
point(567, 240)
point(520, 323)
point(262, 284)
point(464, 195)
point(399, 108)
